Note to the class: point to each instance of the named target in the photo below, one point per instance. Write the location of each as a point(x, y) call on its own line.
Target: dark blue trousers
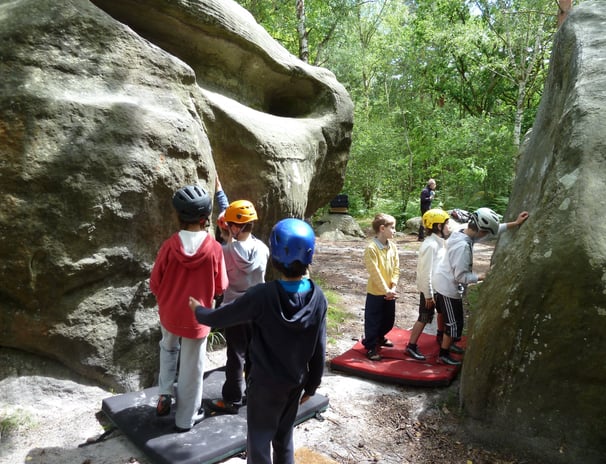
point(271, 414)
point(238, 362)
point(379, 318)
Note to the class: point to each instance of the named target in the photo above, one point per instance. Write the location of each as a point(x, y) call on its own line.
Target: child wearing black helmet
point(190, 262)
point(288, 343)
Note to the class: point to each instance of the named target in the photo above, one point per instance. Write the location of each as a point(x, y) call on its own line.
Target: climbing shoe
point(386, 342)
point(373, 355)
point(413, 352)
point(163, 406)
point(446, 359)
point(224, 407)
point(456, 349)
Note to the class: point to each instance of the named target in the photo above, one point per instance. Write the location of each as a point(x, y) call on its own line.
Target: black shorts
point(425, 315)
point(452, 311)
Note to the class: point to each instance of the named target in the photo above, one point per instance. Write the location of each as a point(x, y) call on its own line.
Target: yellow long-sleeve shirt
point(383, 266)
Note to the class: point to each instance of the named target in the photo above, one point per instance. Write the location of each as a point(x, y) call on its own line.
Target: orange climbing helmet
point(240, 212)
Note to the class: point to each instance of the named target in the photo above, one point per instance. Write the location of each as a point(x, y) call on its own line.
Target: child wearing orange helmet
point(246, 260)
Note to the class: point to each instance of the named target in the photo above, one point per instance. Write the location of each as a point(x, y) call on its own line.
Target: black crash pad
point(214, 439)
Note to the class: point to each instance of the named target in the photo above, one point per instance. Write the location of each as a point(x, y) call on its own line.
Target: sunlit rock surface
point(534, 374)
point(101, 120)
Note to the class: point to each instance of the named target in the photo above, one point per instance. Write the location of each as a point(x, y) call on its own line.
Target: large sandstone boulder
point(338, 227)
point(280, 130)
point(99, 125)
point(534, 375)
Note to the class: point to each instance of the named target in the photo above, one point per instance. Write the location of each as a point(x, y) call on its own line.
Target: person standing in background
point(221, 232)
point(427, 195)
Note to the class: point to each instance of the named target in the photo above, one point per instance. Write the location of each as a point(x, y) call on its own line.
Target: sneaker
point(386, 342)
point(199, 417)
point(413, 352)
point(224, 407)
point(446, 359)
point(456, 349)
point(373, 355)
point(163, 406)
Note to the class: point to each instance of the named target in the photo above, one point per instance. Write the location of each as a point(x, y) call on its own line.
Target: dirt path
point(366, 422)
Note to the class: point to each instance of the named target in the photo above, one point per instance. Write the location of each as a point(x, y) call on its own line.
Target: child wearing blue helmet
point(288, 343)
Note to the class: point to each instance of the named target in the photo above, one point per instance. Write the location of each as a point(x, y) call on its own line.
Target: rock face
point(100, 125)
point(338, 227)
point(280, 130)
point(534, 373)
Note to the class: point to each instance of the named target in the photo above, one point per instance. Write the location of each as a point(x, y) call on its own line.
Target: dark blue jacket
point(425, 199)
point(288, 345)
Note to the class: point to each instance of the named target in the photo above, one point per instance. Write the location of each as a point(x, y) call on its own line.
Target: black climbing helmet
point(192, 204)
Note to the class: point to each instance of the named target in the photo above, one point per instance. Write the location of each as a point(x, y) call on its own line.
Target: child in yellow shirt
point(383, 266)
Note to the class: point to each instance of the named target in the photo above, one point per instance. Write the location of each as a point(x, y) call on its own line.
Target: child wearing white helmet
point(455, 272)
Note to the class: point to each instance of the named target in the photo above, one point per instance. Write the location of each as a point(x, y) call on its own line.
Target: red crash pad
point(396, 366)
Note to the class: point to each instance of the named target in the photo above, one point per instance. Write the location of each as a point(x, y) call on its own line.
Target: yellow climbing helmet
point(240, 212)
point(435, 216)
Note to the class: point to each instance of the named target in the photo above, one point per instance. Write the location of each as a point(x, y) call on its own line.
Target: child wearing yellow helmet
point(435, 222)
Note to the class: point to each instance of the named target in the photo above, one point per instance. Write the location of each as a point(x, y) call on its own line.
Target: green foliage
point(216, 339)
point(336, 314)
point(11, 422)
point(441, 88)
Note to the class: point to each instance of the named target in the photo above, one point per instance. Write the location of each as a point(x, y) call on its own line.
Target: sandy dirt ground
point(56, 417)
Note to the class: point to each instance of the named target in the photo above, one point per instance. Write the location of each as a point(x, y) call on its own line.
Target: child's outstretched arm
point(222, 316)
point(195, 304)
point(517, 223)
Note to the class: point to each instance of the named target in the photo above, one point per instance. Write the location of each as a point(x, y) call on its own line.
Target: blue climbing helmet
point(292, 240)
point(192, 204)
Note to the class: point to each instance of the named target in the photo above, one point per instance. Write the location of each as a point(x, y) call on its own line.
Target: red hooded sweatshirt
point(176, 276)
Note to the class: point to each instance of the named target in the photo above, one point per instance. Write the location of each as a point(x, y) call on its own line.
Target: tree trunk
point(564, 7)
point(302, 31)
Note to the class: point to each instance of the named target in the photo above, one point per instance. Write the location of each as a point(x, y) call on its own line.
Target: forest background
point(442, 89)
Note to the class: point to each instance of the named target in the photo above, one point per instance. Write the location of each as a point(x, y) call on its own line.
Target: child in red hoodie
point(189, 262)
